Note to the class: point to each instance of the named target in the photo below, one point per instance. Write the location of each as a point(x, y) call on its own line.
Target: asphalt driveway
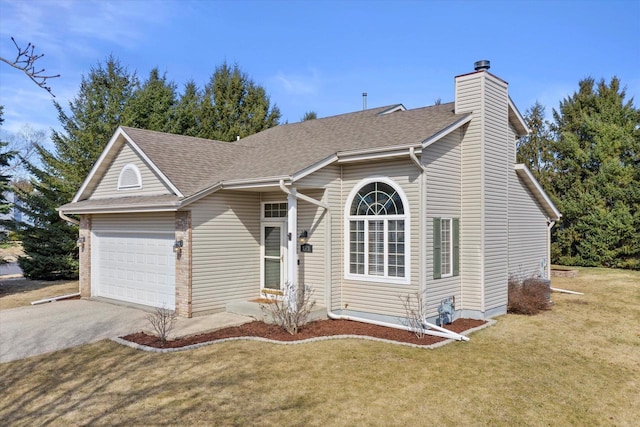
point(33, 330)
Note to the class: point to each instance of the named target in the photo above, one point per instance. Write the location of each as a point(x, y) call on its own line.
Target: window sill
point(378, 279)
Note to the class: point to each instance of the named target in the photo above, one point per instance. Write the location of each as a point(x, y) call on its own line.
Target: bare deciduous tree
point(23, 143)
point(25, 62)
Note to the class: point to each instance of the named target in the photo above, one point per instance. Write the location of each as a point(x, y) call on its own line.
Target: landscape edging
point(137, 346)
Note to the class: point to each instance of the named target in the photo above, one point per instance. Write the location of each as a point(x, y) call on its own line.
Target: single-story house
point(364, 208)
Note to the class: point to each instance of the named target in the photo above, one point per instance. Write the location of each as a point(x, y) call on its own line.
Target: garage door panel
point(138, 268)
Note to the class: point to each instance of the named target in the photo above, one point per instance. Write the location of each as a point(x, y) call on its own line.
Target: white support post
point(292, 243)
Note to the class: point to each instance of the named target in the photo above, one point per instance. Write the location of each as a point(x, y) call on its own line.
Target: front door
point(274, 246)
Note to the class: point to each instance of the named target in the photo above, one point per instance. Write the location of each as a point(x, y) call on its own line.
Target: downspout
point(68, 219)
point(550, 225)
point(439, 332)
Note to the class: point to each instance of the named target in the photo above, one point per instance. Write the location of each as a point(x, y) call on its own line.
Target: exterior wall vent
point(482, 65)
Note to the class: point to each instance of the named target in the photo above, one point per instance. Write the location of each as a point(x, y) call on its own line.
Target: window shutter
point(455, 223)
point(437, 253)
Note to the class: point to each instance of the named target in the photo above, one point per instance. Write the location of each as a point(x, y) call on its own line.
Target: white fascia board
point(155, 168)
point(314, 167)
point(123, 209)
point(97, 165)
point(255, 182)
point(513, 111)
point(398, 107)
point(376, 153)
point(533, 184)
point(199, 195)
point(446, 131)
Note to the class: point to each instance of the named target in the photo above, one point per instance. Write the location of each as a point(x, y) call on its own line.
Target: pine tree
point(5, 159)
point(309, 115)
point(95, 113)
point(151, 104)
point(534, 150)
point(234, 106)
point(596, 177)
point(186, 118)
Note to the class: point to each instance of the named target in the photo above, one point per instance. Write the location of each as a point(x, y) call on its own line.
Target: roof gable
point(538, 192)
point(106, 159)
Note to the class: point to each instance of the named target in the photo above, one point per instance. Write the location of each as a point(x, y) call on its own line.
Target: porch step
point(252, 309)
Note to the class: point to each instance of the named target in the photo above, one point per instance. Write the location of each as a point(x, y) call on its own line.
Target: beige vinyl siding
point(469, 97)
point(443, 194)
point(108, 185)
point(226, 250)
point(527, 230)
point(321, 178)
point(319, 269)
point(497, 167)
point(336, 198)
point(374, 297)
point(156, 222)
point(312, 270)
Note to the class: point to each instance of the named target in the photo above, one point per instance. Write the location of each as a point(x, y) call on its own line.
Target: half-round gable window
point(129, 178)
point(377, 232)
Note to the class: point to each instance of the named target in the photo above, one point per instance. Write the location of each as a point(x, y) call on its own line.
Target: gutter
point(68, 219)
point(550, 225)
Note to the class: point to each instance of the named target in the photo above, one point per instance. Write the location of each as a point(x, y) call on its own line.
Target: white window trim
point(272, 202)
point(135, 169)
point(407, 235)
point(450, 273)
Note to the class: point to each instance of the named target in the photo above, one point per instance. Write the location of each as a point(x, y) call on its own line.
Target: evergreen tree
point(534, 150)
point(309, 115)
point(151, 104)
point(186, 115)
point(233, 105)
point(95, 113)
point(5, 159)
point(596, 177)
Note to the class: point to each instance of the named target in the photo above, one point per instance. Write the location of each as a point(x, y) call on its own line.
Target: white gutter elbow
point(68, 219)
point(416, 160)
point(284, 187)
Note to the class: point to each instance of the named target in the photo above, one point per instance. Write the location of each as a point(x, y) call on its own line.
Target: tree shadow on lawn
point(88, 383)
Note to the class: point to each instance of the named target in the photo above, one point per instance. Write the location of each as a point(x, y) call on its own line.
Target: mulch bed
point(319, 328)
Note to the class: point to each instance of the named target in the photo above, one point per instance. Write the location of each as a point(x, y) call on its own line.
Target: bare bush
point(528, 296)
point(415, 307)
point(162, 321)
point(290, 312)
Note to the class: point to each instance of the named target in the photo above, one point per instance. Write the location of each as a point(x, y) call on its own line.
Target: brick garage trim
point(84, 255)
point(183, 263)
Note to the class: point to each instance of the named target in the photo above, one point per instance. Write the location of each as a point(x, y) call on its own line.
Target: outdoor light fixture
point(304, 236)
point(81, 241)
point(177, 246)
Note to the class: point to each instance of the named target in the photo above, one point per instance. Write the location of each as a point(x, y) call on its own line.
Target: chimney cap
point(483, 64)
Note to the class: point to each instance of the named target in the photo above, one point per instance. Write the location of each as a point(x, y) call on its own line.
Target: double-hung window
point(377, 229)
point(446, 247)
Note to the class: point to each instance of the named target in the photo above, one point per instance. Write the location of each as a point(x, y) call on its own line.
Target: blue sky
point(321, 55)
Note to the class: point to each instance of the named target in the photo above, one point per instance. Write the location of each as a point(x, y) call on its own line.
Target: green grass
point(577, 364)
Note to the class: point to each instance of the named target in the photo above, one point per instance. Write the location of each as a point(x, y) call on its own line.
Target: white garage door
point(138, 268)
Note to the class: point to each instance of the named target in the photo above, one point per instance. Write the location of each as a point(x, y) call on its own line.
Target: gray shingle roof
point(189, 163)
point(194, 164)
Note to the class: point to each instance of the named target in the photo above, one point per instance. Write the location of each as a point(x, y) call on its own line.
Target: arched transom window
point(377, 232)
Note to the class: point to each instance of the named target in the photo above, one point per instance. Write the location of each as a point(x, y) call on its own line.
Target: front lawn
point(578, 364)
point(20, 292)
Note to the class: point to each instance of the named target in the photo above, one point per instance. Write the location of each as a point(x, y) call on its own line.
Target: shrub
point(528, 296)
point(415, 307)
point(162, 321)
point(290, 312)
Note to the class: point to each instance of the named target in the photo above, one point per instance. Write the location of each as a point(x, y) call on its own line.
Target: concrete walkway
point(33, 330)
